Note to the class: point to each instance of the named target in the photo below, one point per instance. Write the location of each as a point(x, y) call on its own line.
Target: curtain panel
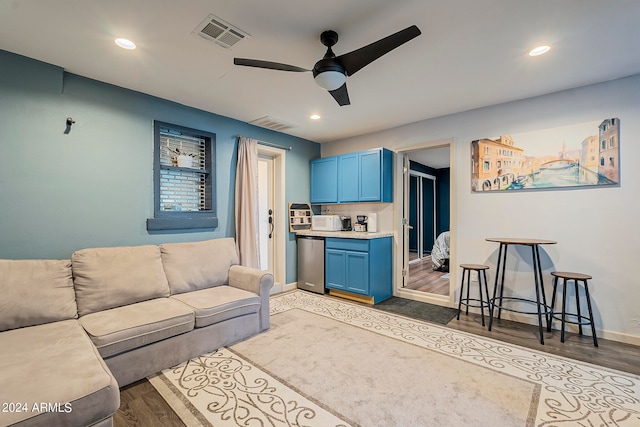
point(246, 203)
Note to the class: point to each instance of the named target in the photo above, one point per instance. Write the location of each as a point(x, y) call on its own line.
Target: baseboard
point(620, 337)
point(279, 288)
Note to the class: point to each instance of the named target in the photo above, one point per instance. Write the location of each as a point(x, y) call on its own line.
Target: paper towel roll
point(372, 222)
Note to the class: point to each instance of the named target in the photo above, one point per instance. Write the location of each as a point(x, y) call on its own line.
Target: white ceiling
point(436, 158)
point(471, 53)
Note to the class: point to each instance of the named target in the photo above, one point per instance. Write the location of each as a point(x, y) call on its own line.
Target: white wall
point(597, 229)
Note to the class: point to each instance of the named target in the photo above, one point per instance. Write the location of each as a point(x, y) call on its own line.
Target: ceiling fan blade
point(341, 95)
point(358, 59)
point(267, 64)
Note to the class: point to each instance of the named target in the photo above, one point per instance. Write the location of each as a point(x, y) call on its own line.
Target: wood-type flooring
point(423, 278)
point(141, 405)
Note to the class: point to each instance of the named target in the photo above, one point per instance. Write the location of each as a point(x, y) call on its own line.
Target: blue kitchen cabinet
point(360, 266)
point(375, 168)
point(357, 272)
point(324, 180)
point(335, 264)
point(363, 176)
point(348, 178)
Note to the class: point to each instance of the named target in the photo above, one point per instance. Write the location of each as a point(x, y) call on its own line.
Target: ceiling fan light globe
point(330, 80)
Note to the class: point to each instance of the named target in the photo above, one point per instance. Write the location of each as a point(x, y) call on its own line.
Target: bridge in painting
point(559, 164)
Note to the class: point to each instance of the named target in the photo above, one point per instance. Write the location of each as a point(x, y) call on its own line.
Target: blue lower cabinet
point(335, 274)
point(360, 266)
point(357, 272)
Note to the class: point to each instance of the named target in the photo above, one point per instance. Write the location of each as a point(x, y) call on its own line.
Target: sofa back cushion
point(33, 292)
point(198, 265)
point(113, 277)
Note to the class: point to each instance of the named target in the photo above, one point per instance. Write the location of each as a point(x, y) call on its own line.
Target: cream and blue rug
point(328, 362)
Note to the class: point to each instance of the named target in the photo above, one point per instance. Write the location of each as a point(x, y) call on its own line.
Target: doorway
point(425, 212)
point(272, 213)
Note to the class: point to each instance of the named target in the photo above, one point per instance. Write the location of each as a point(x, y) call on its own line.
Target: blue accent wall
point(443, 196)
point(93, 186)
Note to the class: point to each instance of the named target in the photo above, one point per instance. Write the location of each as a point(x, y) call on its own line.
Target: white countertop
point(344, 234)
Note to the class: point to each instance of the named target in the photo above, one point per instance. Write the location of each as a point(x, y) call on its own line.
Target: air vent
point(220, 32)
point(271, 123)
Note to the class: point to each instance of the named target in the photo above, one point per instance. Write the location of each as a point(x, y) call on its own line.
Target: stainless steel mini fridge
point(311, 263)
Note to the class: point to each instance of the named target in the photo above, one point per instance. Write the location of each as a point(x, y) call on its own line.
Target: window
point(612, 142)
point(184, 175)
point(486, 166)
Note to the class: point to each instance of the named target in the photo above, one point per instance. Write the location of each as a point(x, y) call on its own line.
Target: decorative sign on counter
point(299, 216)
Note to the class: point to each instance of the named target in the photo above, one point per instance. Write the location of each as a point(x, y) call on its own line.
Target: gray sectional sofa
point(72, 332)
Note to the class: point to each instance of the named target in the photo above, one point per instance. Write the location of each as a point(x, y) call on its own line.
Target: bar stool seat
point(467, 269)
point(580, 319)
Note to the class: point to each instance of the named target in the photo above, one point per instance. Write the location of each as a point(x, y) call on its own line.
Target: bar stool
point(468, 268)
point(580, 319)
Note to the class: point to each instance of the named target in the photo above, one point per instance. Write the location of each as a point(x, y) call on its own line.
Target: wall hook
point(70, 121)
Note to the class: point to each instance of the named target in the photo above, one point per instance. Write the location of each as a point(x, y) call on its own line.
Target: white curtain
point(247, 214)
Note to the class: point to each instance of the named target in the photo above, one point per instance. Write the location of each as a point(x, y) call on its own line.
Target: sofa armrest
point(256, 281)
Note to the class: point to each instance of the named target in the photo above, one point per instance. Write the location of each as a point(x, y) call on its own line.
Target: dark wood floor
point(141, 405)
point(423, 278)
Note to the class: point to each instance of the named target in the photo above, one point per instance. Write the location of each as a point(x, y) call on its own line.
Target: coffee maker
point(346, 223)
point(361, 224)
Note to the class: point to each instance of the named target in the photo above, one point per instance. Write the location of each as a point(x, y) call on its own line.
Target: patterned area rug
point(328, 362)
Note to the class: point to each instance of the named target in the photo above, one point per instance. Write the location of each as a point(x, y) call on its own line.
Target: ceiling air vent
point(220, 32)
point(271, 123)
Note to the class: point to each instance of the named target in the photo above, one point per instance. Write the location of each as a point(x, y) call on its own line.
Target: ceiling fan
point(331, 71)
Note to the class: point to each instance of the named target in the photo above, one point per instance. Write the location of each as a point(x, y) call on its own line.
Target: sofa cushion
point(124, 328)
point(198, 265)
point(55, 363)
point(35, 292)
point(112, 277)
point(220, 303)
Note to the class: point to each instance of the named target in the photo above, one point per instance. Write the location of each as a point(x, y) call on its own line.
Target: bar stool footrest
point(484, 304)
point(545, 309)
point(558, 316)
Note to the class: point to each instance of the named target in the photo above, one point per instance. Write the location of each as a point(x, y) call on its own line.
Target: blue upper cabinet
point(363, 176)
point(324, 180)
point(348, 178)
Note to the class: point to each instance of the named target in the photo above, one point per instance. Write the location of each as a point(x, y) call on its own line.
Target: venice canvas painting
point(586, 154)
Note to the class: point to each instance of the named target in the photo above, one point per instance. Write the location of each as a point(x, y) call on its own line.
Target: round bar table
point(542, 307)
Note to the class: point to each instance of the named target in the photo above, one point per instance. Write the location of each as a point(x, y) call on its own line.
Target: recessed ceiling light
point(125, 44)
point(314, 117)
point(540, 50)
